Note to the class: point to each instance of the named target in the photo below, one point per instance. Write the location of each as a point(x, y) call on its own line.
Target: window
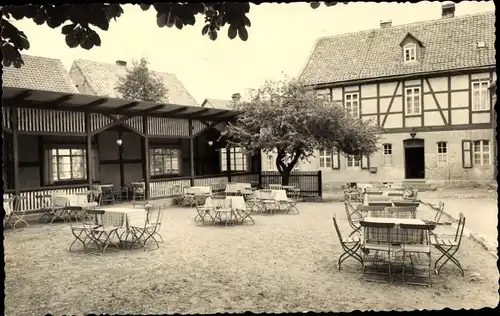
point(480, 95)
point(387, 154)
point(410, 52)
point(270, 162)
point(164, 161)
point(68, 164)
point(413, 101)
point(238, 159)
point(325, 158)
point(323, 94)
point(442, 153)
point(351, 103)
point(353, 161)
point(481, 152)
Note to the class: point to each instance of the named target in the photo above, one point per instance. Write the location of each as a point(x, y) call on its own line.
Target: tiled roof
point(39, 73)
point(103, 78)
point(217, 103)
point(449, 43)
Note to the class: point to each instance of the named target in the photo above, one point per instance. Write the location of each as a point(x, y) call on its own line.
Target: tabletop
point(397, 221)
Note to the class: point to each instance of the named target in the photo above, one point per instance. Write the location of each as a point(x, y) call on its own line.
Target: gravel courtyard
point(284, 263)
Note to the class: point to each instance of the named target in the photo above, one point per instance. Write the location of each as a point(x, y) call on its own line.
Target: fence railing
point(309, 182)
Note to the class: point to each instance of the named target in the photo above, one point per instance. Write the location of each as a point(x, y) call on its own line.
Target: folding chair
point(239, 206)
point(138, 191)
point(205, 210)
point(350, 245)
point(416, 241)
point(59, 205)
point(437, 217)
point(17, 211)
point(108, 195)
point(101, 234)
point(81, 226)
point(449, 247)
point(378, 238)
point(141, 234)
point(283, 201)
point(353, 217)
point(8, 206)
point(267, 200)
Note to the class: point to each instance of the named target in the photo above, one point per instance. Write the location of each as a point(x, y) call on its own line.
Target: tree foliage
point(287, 118)
point(79, 21)
point(141, 84)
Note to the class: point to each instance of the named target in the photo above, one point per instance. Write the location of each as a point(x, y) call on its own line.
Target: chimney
point(448, 10)
point(236, 97)
point(121, 63)
point(385, 24)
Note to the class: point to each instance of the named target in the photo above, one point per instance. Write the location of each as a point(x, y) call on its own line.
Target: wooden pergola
point(39, 112)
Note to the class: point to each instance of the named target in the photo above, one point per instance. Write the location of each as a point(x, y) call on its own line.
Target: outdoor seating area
point(389, 237)
point(191, 255)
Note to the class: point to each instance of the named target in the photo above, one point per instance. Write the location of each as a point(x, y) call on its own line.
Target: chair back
point(416, 234)
point(77, 215)
point(380, 233)
point(95, 217)
point(402, 212)
point(138, 187)
point(265, 194)
point(154, 215)
point(339, 234)
point(460, 229)
point(8, 205)
point(439, 212)
point(60, 200)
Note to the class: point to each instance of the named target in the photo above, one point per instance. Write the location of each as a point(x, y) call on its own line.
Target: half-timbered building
point(426, 85)
point(57, 138)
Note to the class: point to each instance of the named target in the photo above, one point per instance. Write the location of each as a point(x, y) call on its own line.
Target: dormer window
point(410, 52)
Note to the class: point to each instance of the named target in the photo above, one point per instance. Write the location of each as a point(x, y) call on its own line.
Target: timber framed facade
point(64, 142)
point(433, 104)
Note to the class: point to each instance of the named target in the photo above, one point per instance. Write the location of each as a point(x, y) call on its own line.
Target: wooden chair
point(141, 234)
point(353, 217)
point(100, 230)
point(449, 247)
point(377, 238)
point(350, 246)
point(285, 202)
point(437, 217)
point(416, 241)
point(107, 195)
point(138, 191)
point(239, 206)
point(81, 226)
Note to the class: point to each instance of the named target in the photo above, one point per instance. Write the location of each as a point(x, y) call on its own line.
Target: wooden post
point(89, 162)
point(191, 152)
point(120, 156)
point(145, 157)
point(15, 148)
point(228, 163)
point(320, 185)
point(259, 166)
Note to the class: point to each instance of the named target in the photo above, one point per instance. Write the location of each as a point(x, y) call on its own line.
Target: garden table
point(397, 233)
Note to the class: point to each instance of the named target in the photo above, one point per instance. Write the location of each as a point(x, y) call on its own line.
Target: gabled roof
point(217, 104)
point(450, 43)
point(39, 73)
point(409, 35)
point(103, 78)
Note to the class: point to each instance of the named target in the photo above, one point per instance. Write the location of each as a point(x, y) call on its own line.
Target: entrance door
point(414, 158)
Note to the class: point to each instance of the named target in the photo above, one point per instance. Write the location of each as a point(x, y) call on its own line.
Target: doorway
point(414, 158)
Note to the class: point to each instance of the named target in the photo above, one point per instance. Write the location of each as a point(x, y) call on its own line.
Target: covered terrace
point(57, 142)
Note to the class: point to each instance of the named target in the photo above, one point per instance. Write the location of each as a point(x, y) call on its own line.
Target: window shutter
point(365, 162)
point(466, 154)
point(95, 165)
point(48, 170)
point(335, 160)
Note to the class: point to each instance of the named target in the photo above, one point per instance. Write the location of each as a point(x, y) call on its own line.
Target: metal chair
point(141, 234)
point(138, 191)
point(285, 202)
point(239, 206)
point(100, 230)
point(377, 238)
point(353, 217)
point(449, 247)
point(81, 226)
point(350, 245)
point(437, 217)
point(205, 210)
point(107, 195)
point(59, 205)
point(416, 241)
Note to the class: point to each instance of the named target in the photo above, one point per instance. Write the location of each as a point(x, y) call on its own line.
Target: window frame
point(353, 159)
point(441, 154)
point(55, 168)
point(323, 155)
point(171, 157)
point(234, 153)
point(486, 98)
point(413, 95)
point(357, 99)
point(481, 152)
point(387, 147)
point(410, 48)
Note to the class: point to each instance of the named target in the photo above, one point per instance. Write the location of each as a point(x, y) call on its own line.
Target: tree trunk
point(285, 177)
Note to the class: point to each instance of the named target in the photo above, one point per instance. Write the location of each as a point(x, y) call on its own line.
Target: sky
point(280, 40)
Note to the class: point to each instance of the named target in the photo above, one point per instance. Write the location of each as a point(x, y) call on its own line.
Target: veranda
point(65, 143)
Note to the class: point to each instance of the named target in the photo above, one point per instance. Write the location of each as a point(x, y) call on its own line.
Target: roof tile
point(39, 73)
point(449, 43)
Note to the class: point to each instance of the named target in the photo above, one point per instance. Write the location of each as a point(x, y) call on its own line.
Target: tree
point(141, 84)
point(288, 118)
point(82, 18)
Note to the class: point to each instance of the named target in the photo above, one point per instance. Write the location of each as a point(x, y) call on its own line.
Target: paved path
point(480, 213)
